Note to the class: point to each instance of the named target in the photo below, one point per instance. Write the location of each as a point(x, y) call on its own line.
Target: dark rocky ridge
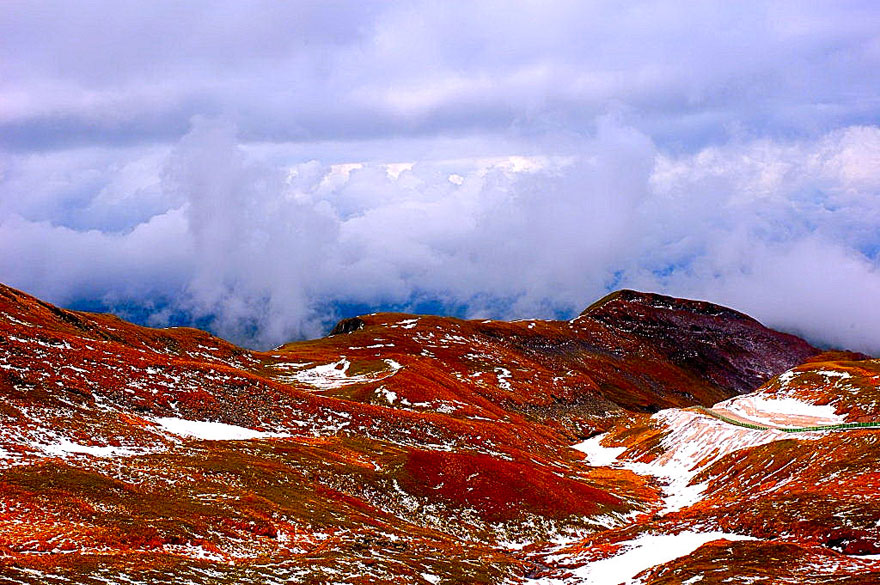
point(349, 325)
point(728, 347)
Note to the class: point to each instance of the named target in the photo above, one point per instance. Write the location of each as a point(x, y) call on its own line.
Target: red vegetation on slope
point(430, 442)
point(497, 489)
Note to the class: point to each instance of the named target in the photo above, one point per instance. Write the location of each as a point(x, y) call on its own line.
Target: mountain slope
point(410, 448)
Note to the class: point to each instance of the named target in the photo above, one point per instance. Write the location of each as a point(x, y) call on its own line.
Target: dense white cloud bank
point(263, 164)
point(783, 230)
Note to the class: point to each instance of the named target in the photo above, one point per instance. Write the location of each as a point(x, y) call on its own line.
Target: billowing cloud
point(263, 168)
point(782, 230)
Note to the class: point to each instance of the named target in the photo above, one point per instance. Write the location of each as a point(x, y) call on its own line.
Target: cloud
point(263, 168)
point(781, 229)
point(785, 231)
point(305, 71)
point(65, 265)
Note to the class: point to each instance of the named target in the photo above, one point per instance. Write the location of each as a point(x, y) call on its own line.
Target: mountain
point(671, 439)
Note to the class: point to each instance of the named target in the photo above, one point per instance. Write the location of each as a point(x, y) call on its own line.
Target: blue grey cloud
point(110, 72)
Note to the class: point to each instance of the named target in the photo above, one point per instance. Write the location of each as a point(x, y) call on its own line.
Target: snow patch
point(597, 454)
point(289, 365)
point(833, 374)
point(695, 441)
point(389, 395)
point(12, 319)
point(503, 378)
point(335, 375)
point(780, 412)
point(64, 447)
point(393, 365)
point(644, 552)
point(648, 551)
point(211, 431)
point(692, 443)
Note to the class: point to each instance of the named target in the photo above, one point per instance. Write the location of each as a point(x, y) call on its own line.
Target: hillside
point(420, 449)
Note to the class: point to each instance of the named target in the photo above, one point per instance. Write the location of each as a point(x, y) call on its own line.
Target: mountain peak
point(728, 347)
point(628, 299)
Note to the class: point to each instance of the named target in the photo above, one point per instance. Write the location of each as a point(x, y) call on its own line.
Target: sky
point(263, 168)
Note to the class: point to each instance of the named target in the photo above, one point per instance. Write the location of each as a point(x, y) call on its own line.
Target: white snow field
point(785, 412)
point(211, 431)
point(644, 552)
point(335, 375)
point(693, 442)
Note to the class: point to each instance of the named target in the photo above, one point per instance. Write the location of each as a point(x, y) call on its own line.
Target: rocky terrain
point(650, 440)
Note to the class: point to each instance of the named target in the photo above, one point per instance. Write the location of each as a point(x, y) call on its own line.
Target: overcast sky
point(263, 168)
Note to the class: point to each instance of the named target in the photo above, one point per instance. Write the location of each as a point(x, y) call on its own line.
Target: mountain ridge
point(410, 445)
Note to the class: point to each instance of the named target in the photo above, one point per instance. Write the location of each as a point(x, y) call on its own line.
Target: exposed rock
point(349, 325)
